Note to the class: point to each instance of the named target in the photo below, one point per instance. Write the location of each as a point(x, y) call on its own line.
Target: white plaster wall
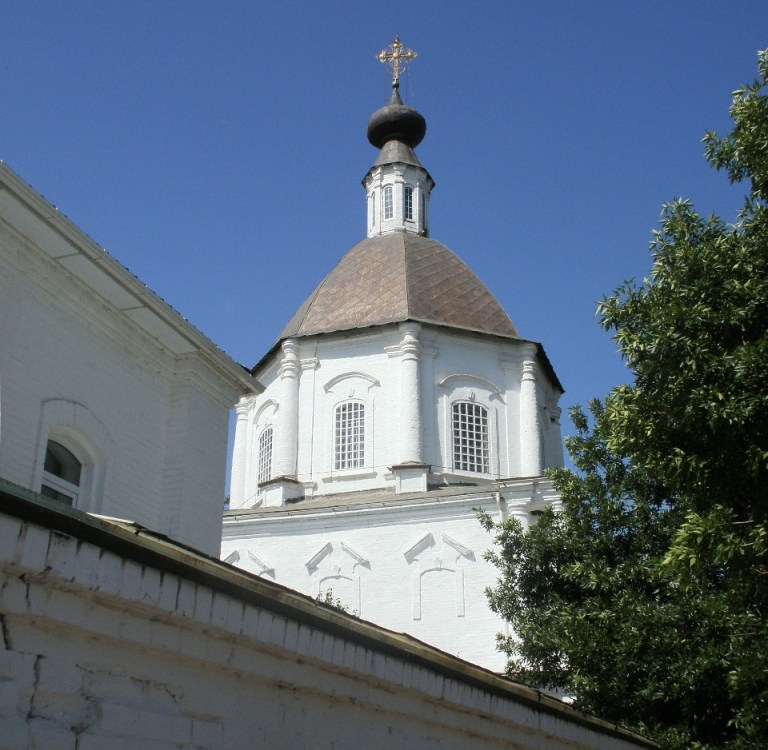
point(412, 566)
point(349, 368)
point(99, 650)
point(155, 425)
point(365, 366)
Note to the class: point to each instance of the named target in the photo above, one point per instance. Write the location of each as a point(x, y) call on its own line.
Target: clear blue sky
point(216, 148)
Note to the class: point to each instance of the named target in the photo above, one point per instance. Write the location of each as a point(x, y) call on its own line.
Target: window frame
point(265, 454)
point(466, 454)
point(408, 203)
point(388, 200)
point(349, 450)
point(57, 486)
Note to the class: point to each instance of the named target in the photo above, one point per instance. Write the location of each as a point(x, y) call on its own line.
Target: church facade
point(398, 400)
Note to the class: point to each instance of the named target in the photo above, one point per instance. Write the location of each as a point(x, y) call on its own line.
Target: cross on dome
point(396, 57)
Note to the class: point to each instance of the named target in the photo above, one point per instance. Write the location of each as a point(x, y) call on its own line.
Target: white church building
point(391, 408)
point(398, 400)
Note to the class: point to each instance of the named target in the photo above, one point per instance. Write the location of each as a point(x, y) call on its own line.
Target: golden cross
point(396, 57)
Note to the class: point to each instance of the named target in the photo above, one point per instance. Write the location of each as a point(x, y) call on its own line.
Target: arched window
point(72, 436)
point(470, 437)
point(388, 203)
point(61, 474)
point(408, 203)
point(349, 436)
point(265, 455)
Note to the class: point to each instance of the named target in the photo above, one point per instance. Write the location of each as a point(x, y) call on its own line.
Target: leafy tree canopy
point(646, 597)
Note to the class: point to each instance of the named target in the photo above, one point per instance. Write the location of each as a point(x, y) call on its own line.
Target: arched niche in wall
point(437, 560)
point(336, 573)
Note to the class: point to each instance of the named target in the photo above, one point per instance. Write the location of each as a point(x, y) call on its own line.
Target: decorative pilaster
point(285, 485)
point(531, 459)
point(411, 473)
point(518, 509)
point(238, 482)
point(288, 414)
point(410, 397)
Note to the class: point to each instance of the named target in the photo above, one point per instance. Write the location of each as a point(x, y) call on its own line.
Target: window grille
point(470, 438)
point(265, 455)
point(350, 436)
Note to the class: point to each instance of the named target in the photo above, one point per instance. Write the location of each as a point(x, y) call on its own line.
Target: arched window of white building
point(265, 455)
point(470, 437)
point(388, 202)
point(72, 454)
point(408, 203)
point(349, 436)
point(61, 474)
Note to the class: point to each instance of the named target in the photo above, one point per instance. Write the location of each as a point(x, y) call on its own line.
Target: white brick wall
point(144, 657)
point(81, 355)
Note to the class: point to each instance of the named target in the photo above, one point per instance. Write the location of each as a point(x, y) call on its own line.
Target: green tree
point(646, 598)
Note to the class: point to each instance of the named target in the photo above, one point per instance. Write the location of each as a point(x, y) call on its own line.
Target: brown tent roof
point(396, 277)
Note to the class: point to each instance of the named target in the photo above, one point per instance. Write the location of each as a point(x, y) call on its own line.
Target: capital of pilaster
point(242, 408)
point(529, 371)
point(410, 346)
point(518, 507)
point(528, 354)
point(519, 510)
point(290, 366)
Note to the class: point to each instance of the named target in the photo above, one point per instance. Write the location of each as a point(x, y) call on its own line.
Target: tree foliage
point(646, 597)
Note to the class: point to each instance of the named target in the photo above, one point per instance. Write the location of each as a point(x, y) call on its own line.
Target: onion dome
point(396, 122)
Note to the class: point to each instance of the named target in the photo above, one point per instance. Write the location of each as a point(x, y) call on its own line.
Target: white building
point(109, 400)
point(398, 399)
point(116, 636)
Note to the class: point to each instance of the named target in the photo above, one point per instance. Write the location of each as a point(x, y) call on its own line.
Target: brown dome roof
point(396, 277)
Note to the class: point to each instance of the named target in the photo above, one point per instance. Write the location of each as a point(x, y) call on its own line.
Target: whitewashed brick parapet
point(113, 638)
